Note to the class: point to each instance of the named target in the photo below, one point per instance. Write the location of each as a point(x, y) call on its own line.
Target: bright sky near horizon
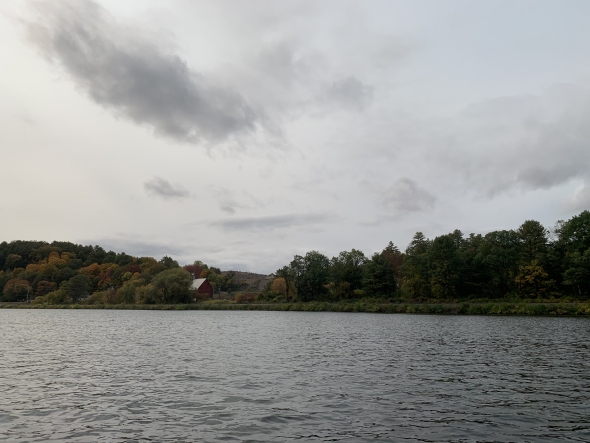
point(242, 133)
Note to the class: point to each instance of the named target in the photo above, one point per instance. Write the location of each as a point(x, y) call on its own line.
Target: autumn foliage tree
point(16, 289)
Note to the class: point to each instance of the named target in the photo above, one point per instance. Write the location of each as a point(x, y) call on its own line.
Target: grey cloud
point(379, 220)
point(279, 63)
point(528, 142)
point(545, 177)
point(406, 196)
point(282, 76)
point(227, 209)
point(227, 200)
point(581, 199)
point(389, 50)
point(272, 222)
point(136, 78)
point(289, 79)
point(497, 146)
point(158, 187)
point(350, 93)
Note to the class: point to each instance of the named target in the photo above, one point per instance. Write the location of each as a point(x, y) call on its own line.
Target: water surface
point(140, 376)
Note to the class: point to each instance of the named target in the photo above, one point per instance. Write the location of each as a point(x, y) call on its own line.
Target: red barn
point(202, 288)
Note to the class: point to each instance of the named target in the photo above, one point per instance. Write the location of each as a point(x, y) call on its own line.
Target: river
point(213, 376)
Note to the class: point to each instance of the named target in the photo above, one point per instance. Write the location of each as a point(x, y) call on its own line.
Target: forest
point(530, 262)
point(64, 272)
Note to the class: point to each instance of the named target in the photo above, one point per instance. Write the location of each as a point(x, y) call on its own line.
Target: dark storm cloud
point(272, 222)
point(158, 187)
point(406, 196)
point(136, 78)
point(350, 93)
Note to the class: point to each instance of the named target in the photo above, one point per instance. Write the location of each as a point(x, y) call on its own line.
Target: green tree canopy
point(379, 278)
point(348, 267)
point(574, 234)
point(533, 241)
point(172, 286)
point(445, 265)
point(77, 287)
point(310, 274)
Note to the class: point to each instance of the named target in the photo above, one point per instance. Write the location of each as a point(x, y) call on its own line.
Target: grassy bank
point(500, 308)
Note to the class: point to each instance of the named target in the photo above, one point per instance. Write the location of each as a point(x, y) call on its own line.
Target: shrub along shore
point(463, 308)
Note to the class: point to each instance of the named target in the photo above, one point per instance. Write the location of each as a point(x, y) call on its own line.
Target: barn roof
point(197, 282)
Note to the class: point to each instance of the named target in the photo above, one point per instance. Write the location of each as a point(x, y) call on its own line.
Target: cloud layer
point(327, 125)
point(523, 142)
point(134, 77)
point(158, 187)
point(406, 196)
point(350, 93)
point(272, 222)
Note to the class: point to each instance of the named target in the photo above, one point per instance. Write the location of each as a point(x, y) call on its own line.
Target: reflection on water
point(87, 376)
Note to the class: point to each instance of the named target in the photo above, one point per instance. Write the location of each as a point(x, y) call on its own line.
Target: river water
point(142, 376)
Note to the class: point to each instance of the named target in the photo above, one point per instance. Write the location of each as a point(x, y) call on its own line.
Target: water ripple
point(149, 376)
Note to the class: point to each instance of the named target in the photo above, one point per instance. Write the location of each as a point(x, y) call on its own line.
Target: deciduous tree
point(16, 289)
point(310, 275)
point(172, 286)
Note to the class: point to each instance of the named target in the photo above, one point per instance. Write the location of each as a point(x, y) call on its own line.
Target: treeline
point(530, 262)
point(63, 272)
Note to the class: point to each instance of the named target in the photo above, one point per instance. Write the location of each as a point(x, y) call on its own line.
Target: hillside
point(250, 280)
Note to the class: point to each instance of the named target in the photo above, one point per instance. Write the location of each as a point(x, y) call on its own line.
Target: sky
point(243, 133)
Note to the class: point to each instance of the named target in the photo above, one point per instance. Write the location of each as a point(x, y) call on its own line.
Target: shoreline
point(579, 309)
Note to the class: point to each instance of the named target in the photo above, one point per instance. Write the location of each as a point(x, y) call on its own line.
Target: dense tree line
point(529, 262)
point(63, 272)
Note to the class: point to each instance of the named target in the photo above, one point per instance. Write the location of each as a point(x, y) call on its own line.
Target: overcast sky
point(241, 132)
